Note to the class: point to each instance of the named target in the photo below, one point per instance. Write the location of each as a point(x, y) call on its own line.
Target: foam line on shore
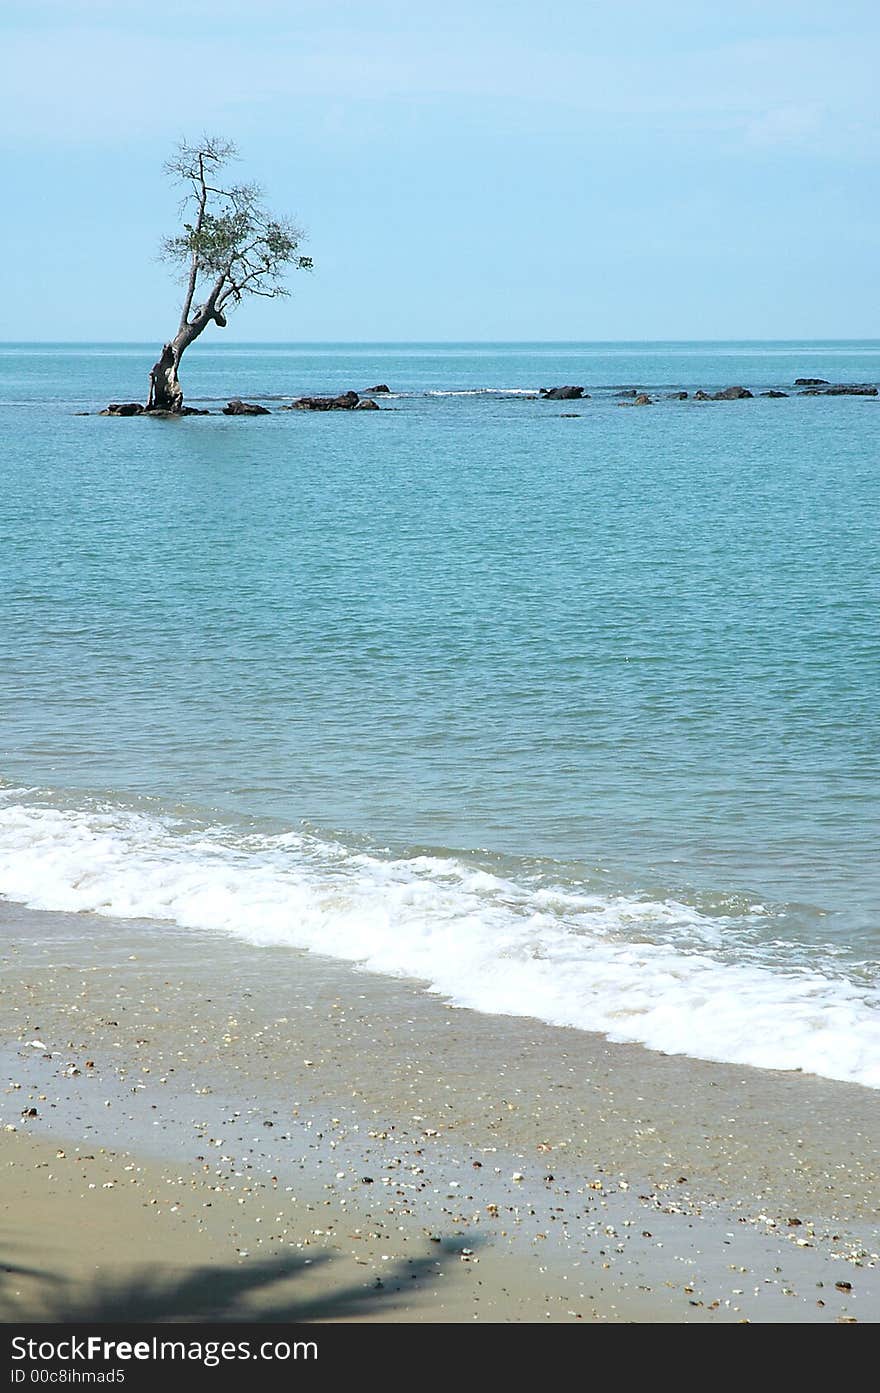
point(637, 969)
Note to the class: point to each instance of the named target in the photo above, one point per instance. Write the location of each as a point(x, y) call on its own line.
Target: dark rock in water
point(700, 395)
point(82, 413)
point(809, 382)
point(346, 402)
point(237, 407)
point(733, 394)
point(850, 389)
point(366, 404)
point(677, 396)
point(569, 415)
point(134, 408)
point(643, 400)
point(627, 392)
point(382, 388)
point(841, 389)
point(774, 394)
point(562, 393)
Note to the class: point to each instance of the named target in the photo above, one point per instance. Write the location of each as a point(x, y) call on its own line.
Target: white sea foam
point(484, 392)
point(634, 969)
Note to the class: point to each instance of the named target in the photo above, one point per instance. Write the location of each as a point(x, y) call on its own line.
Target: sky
point(484, 169)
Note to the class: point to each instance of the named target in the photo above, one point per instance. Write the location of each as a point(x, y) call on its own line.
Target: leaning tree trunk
point(166, 393)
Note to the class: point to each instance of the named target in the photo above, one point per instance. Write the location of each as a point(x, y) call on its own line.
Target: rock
point(809, 382)
point(237, 407)
point(643, 400)
point(562, 393)
point(346, 402)
point(569, 415)
point(733, 394)
point(382, 388)
point(134, 408)
point(850, 389)
point(700, 395)
point(841, 389)
point(677, 396)
point(774, 394)
point(627, 392)
point(366, 404)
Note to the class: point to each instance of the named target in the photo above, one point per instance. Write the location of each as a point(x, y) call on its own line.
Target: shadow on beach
point(252, 1291)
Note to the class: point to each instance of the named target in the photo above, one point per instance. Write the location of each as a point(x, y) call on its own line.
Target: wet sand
point(260, 1132)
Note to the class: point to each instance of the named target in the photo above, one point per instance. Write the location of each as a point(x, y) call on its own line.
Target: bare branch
point(190, 161)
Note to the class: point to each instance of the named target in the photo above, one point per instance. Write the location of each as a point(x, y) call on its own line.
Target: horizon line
point(309, 343)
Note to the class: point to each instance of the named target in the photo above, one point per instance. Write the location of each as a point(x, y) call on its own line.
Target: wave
point(646, 970)
point(481, 392)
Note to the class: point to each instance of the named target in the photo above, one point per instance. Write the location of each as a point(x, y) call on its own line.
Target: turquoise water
point(565, 714)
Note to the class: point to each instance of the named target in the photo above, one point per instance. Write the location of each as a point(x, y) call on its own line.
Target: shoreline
point(661, 1188)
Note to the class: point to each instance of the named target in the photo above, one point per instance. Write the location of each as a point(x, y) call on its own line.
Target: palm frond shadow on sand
point(217, 1293)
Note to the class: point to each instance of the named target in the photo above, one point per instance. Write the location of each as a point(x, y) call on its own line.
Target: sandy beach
point(194, 1132)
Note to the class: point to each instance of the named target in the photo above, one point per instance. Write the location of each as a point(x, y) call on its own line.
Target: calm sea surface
point(574, 716)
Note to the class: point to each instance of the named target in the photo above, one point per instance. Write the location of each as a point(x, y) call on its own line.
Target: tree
point(232, 247)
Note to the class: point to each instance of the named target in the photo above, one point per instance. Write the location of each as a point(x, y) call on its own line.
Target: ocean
point(561, 709)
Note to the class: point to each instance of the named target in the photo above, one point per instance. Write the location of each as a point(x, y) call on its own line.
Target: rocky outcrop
point(347, 401)
point(810, 382)
point(382, 390)
point(562, 393)
point(134, 408)
point(237, 407)
point(850, 389)
point(641, 399)
point(726, 394)
point(677, 396)
point(841, 389)
point(732, 394)
point(774, 394)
